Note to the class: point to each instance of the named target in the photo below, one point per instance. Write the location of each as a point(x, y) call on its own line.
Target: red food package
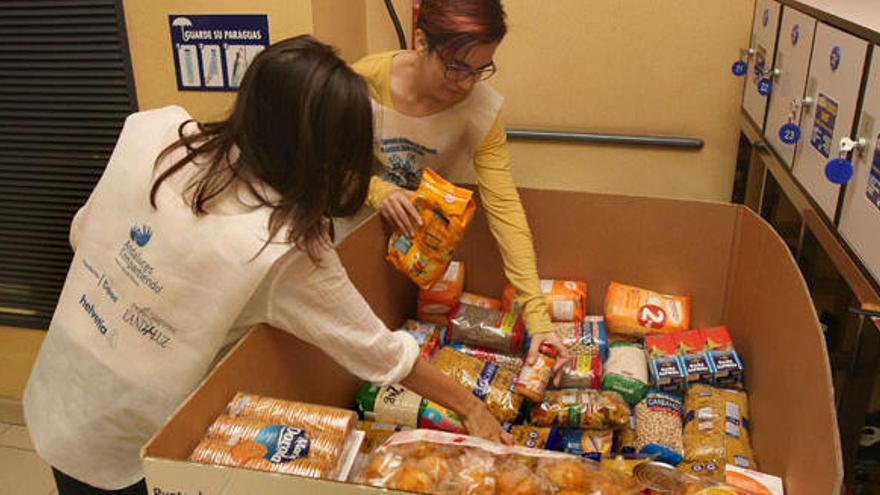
point(661, 345)
point(690, 342)
point(717, 338)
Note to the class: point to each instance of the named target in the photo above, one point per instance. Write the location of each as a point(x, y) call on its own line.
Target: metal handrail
point(604, 138)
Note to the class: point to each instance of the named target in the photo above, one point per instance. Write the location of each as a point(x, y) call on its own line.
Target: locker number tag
point(795, 34)
point(839, 171)
point(835, 58)
point(765, 18)
point(765, 86)
point(739, 68)
point(790, 133)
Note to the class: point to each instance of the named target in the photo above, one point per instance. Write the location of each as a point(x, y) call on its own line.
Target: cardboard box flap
point(671, 246)
point(770, 315)
point(266, 362)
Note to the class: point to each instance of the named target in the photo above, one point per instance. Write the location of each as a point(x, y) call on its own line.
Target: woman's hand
point(398, 209)
point(427, 381)
point(480, 423)
point(562, 357)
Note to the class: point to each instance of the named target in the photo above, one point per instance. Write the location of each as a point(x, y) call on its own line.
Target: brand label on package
point(283, 443)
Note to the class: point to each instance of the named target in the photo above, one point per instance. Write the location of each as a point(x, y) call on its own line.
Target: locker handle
point(840, 169)
point(741, 66)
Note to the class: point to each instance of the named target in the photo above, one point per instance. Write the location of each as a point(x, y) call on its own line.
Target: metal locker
point(836, 69)
point(764, 28)
point(860, 211)
point(796, 32)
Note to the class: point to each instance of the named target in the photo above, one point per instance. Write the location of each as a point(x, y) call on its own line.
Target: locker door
point(787, 98)
point(860, 214)
point(764, 30)
point(836, 69)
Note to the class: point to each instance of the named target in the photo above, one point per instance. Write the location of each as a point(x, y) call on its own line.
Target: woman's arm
point(507, 221)
point(319, 304)
point(428, 381)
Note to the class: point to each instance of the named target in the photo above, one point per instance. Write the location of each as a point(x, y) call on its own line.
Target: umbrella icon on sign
point(181, 22)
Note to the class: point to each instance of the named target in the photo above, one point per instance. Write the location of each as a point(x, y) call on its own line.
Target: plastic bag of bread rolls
point(438, 462)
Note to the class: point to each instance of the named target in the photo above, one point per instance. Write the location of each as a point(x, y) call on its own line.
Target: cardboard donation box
point(736, 270)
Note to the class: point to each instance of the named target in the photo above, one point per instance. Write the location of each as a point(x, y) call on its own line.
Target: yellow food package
point(639, 312)
point(446, 211)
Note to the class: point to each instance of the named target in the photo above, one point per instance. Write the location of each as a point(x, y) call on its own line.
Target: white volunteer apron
point(148, 300)
point(445, 141)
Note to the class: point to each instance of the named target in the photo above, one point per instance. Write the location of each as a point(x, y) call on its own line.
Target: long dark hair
point(453, 26)
point(302, 125)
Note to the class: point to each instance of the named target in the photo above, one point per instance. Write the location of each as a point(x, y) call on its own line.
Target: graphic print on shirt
point(133, 262)
point(405, 161)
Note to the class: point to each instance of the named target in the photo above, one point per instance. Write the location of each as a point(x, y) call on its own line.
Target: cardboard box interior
point(735, 268)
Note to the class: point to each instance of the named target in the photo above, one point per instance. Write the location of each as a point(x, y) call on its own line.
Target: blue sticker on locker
point(836, 54)
point(795, 34)
point(839, 171)
point(823, 125)
point(765, 86)
point(212, 52)
point(765, 18)
point(873, 191)
point(790, 133)
point(739, 68)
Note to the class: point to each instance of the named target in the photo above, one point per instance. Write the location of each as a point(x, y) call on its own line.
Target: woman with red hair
point(432, 110)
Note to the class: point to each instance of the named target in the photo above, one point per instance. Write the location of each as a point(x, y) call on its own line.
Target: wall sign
point(212, 52)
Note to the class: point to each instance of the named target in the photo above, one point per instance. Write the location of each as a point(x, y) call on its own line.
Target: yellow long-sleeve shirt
point(491, 162)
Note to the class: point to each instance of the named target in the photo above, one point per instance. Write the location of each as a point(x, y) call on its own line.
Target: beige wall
point(626, 66)
point(381, 35)
point(152, 59)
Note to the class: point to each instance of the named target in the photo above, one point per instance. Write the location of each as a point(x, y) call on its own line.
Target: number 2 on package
point(652, 316)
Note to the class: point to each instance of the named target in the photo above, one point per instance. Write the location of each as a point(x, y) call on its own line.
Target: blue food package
point(727, 369)
point(589, 444)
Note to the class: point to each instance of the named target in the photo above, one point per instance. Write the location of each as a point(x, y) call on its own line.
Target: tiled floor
point(21, 471)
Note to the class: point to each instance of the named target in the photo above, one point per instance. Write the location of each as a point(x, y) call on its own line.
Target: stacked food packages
point(640, 387)
point(281, 436)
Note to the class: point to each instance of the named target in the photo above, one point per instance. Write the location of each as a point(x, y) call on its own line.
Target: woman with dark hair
point(433, 111)
point(195, 233)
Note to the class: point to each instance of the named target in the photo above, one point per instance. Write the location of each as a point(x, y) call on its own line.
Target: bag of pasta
point(446, 211)
point(491, 383)
point(437, 462)
point(573, 408)
point(716, 431)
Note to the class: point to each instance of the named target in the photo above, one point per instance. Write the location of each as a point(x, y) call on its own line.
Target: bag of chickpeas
point(659, 427)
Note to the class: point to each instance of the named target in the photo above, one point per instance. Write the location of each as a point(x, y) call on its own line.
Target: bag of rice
point(626, 371)
point(486, 328)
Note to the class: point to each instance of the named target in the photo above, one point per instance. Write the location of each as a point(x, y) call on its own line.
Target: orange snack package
point(446, 211)
point(480, 301)
point(639, 312)
point(566, 299)
point(436, 302)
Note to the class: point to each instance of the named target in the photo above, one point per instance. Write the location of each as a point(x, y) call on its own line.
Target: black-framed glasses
point(457, 72)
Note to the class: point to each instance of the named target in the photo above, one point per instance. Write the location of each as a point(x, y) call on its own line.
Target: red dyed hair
point(452, 26)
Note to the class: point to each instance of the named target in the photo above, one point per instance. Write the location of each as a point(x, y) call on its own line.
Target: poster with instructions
point(212, 52)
